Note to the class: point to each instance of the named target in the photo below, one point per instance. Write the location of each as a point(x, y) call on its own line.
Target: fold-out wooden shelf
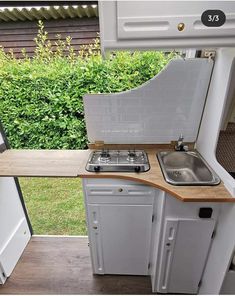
point(42, 163)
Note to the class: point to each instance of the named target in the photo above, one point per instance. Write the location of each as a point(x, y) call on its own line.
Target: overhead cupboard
point(166, 24)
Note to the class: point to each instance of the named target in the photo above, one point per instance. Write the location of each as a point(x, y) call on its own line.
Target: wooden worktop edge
point(158, 186)
point(100, 145)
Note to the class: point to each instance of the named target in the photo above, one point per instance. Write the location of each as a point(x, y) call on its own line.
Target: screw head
point(181, 26)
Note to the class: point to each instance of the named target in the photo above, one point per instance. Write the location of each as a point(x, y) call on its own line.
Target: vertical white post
point(221, 88)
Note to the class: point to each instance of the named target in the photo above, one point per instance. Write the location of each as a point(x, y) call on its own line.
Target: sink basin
point(186, 168)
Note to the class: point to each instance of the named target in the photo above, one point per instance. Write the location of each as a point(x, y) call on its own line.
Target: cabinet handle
point(95, 227)
point(120, 189)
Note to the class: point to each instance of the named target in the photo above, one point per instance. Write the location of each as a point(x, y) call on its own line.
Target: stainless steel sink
point(186, 168)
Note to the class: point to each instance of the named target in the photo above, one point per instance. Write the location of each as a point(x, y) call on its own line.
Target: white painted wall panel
point(160, 110)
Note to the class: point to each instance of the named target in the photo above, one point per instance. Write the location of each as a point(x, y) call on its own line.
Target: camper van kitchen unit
point(158, 203)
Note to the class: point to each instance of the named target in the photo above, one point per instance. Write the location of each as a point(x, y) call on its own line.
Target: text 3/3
point(213, 18)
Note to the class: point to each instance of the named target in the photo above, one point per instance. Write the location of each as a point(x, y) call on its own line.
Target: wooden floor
point(61, 265)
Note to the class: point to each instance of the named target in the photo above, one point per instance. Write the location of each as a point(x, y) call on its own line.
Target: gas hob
point(118, 161)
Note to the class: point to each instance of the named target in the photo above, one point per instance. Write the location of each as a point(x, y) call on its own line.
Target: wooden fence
point(19, 35)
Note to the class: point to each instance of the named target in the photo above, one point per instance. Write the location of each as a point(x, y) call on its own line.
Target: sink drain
point(177, 173)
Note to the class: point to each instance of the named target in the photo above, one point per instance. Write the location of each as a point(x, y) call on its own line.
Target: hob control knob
point(97, 168)
point(137, 169)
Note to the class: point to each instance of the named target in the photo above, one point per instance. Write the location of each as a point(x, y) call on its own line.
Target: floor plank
point(61, 265)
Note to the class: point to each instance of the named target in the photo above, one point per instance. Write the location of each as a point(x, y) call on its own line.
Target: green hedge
point(41, 98)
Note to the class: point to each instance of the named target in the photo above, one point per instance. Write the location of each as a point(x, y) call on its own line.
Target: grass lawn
point(55, 205)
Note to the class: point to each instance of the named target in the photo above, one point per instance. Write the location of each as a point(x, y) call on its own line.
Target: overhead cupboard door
point(166, 24)
point(164, 19)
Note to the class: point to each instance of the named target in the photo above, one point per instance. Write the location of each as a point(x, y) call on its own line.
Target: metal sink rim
point(215, 181)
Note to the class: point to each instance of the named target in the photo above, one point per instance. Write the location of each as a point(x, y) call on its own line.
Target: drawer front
point(120, 190)
point(125, 199)
point(120, 195)
point(110, 181)
point(117, 191)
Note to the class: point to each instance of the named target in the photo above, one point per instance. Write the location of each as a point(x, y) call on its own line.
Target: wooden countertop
point(42, 163)
point(71, 163)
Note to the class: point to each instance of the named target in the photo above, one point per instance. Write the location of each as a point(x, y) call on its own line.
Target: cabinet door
point(94, 234)
point(184, 253)
point(124, 236)
point(14, 230)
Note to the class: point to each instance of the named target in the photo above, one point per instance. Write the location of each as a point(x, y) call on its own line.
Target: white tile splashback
point(158, 111)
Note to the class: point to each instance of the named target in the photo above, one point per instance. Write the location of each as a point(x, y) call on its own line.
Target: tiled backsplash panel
point(158, 111)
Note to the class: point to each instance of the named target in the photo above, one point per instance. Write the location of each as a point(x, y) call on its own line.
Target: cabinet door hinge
point(213, 234)
point(149, 265)
point(199, 284)
point(152, 218)
point(208, 53)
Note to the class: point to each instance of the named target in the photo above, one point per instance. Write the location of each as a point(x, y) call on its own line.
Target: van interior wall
point(220, 93)
point(229, 110)
point(220, 99)
point(225, 150)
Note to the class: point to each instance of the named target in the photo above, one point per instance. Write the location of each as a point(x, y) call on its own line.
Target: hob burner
point(131, 156)
point(105, 156)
